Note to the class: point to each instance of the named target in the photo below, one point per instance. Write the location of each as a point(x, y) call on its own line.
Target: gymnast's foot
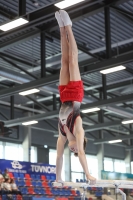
point(91, 179)
point(65, 18)
point(61, 182)
point(59, 20)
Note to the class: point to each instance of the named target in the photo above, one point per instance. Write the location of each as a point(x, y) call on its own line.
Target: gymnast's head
point(73, 146)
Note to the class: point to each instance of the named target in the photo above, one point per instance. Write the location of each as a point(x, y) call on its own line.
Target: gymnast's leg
point(64, 79)
point(73, 50)
point(64, 72)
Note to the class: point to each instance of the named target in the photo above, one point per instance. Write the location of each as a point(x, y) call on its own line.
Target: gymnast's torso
point(69, 111)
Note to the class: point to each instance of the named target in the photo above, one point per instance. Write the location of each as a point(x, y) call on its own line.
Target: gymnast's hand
point(91, 179)
point(60, 181)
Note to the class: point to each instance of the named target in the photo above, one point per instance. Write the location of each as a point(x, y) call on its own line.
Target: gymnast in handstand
point(71, 95)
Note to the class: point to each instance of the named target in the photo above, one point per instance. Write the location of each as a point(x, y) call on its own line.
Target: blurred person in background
point(7, 186)
point(14, 187)
point(6, 175)
point(2, 180)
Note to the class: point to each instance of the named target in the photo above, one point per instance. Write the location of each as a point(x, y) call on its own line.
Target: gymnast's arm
point(79, 133)
point(59, 159)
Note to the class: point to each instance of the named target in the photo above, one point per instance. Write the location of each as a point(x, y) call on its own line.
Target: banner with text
point(27, 167)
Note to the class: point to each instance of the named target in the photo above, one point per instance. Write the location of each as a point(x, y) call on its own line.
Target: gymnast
point(71, 95)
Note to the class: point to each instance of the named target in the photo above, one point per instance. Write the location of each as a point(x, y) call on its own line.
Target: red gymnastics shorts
point(73, 91)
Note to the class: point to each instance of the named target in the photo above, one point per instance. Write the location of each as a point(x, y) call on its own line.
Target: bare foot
point(91, 179)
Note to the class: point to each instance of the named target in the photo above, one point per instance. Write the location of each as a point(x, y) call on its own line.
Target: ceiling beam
point(118, 85)
point(112, 133)
point(121, 137)
point(117, 10)
point(20, 107)
point(4, 116)
point(124, 113)
point(124, 12)
point(19, 39)
point(53, 114)
point(41, 105)
point(18, 67)
point(120, 2)
point(4, 85)
point(129, 148)
point(84, 70)
point(102, 126)
point(117, 131)
point(106, 102)
point(18, 60)
point(121, 59)
point(7, 13)
point(127, 48)
point(27, 86)
point(129, 70)
point(39, 117)
point(46, 14)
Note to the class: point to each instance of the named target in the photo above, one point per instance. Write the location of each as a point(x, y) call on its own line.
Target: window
point(132, 167)
point(1, 150)
point(92, 165)
point(77, 170)
point(52, 157)
point(52, 161)
point(108, 164)
point(119, 166)
point(114, 165)
point(75, 164)
point(77, 175)
point(33, 154)
point(13, 152)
